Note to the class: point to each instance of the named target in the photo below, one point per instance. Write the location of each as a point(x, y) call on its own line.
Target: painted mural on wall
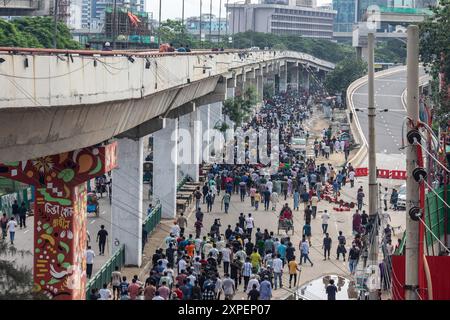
point(60, 215)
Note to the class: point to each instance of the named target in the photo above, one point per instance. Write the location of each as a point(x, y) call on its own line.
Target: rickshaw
point(285, 224)
point(92, 204)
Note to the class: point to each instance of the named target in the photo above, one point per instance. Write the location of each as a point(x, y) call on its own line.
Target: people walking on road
point(266, 195)
point(293, 268)
point(353, 257)
point(394, 199)
point(15, 210)
point(3, 224)
point(331, 290)
point(325, 217)
point(326, 246)
point(341, 246)
point(226, 199)
point(304, 250)
point(90, 254)
point(307, 232)
point(116, 279)
point(22, 215)
point(11, 227)
point(277, 266)
point(265, 289)
point(101, 239)
point(360, 198)
point(182, 223)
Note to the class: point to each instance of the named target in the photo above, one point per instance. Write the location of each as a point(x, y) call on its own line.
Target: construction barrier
point(361, 172)
point(382, 173)
point(398, 174)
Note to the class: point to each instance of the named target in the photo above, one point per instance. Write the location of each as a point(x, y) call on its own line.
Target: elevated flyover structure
point(69, 116)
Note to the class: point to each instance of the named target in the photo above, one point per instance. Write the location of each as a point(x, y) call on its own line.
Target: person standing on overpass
point(90, 254)
point(101, 239)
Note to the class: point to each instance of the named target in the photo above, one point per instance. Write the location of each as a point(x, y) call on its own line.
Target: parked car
point(401, 203)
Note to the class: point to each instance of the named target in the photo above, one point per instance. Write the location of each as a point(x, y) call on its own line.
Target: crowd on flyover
point(219, 261)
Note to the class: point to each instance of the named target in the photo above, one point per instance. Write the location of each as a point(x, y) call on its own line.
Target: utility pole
point(114, 25)
point(55, 24)
point(182, 14)
point(210, 21)
point(200, 24)
point(412, 187)
point(373, 185)
point(226, 14)
point(220, 21)
point(159, 25)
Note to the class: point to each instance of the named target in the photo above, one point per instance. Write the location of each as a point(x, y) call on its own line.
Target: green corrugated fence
point(436, 217)
point(104, 274)
point(152, 219)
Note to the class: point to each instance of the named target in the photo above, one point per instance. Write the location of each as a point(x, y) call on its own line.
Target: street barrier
point(382, 173)
point(361, 172)
point(398, 174)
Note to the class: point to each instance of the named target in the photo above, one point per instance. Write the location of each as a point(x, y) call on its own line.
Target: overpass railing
point(153, 219)
point(104, 274)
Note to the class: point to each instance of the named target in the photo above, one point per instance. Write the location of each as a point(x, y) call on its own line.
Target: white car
point(401, 203)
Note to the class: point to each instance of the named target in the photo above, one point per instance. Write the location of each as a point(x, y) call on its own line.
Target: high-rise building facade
point(345, 17)
point(282, 19)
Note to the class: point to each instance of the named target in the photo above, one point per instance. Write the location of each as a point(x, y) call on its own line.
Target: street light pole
point(159, 25)
point(412, 186)
point(55, 26)
point(182, 14)
point(201, 5)
point(220, 25)
point(210, 21)
point(373, 185)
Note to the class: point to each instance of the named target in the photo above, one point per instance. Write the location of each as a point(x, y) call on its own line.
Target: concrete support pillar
point(127, 212)
point(190, 145)
point(283, 79)
point(206, 126)
point(165, 162)
point(293, 80)
point(260, 87)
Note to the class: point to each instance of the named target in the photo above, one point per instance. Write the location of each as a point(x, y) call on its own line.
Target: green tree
point(239, 109)
point(35, 32)
point(16, 283)
point(435, 54)
point(345, 72)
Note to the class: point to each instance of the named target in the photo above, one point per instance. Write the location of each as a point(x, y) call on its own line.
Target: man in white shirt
point(325, 217)
point(11, 227)
point(90, 254)
point(226, 258)
point(253, 280)
point(228, 287)
point(277, 265)
point(385, 198)
point(351, 177)
point(105, 293)
point(175, 230)
point(269, 185)
point(181, 265)
point(250, 224)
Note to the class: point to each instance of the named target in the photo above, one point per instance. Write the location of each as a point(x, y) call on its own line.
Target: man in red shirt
point(133, 290)
point(178, 292)
point(164, 291)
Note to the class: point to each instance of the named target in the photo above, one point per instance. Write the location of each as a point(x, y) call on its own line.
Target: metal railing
point(104, 274)
point(153, 219)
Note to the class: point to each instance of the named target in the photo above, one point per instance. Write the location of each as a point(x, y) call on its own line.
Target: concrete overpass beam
point(165, 162)
point(144, 129)
point(127, 212)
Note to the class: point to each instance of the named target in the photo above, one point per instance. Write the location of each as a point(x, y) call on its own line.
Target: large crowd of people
point(219, 261)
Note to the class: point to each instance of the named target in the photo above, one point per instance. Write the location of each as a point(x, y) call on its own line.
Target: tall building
point(93, 11)
point(281, 17)
point(345, 17)
point(211, 29)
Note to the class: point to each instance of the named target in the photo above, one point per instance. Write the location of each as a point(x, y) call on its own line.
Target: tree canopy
point(435, 54)
point(35, 32)
point(345, 72)
point(239, 108)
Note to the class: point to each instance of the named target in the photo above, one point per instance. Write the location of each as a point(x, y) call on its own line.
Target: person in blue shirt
point(282, 252)
point(265, 289)
point(186, 288)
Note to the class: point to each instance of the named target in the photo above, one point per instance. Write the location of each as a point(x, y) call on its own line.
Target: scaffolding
point(127, 26)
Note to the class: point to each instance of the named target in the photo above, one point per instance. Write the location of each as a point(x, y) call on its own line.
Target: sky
point(172, 8)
